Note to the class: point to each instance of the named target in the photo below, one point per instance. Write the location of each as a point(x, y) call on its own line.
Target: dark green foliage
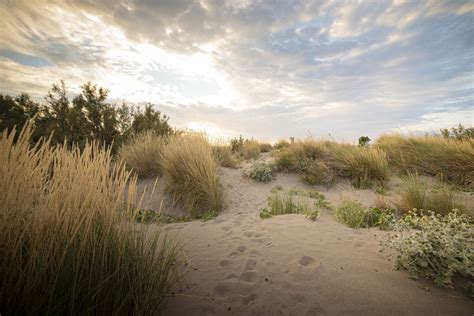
point(364, 141)
point(458, 132)
point(87, 117)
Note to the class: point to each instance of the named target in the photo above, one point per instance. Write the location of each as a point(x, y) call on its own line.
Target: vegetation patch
point(354, 215)
point(435, 247)
point(441, 199)
point(192, 174)
point(224, 156)
point(262, 172)
point(66, 243)
point(142, 154)
point(449, 159)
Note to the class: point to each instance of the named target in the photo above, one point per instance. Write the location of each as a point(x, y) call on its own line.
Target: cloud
point(259, 68)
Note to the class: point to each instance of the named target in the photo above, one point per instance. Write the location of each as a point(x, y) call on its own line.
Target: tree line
point(88, 116)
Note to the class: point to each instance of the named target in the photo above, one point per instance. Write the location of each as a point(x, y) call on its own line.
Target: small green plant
point(277, 188)
point(434, 246)
point(262, 172)
point(354, 215)
point(280, 204)
point(236, 144)
point(364, 141)
point(146, 216)
point(380, 190)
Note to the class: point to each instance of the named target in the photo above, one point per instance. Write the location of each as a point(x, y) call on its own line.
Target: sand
point(239, 264)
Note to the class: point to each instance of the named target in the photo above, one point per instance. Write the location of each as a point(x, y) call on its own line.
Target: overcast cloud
point(267, 69)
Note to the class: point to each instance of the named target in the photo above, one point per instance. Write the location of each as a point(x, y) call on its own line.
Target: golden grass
point(449, 159)
point(192, 174)
point(441, 199)
point(65, 244)
point(366, 166)
point(224, 156)
point(320, 161)
point(250, 149)
point(142, 154)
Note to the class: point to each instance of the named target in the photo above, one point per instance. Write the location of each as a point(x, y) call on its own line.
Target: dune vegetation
point(67, 242)
point(449, 159)
point(192, 176)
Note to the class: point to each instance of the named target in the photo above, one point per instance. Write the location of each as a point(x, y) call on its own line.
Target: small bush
point(250, 150)
point(354, 215)
point(224, 156)
point(192, 174)
point(142, 154)
point(262, 172)
point(236, 144)
point(435, 247)
point(364, 141)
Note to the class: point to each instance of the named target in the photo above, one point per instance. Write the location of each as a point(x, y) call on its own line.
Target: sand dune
point(239, 264)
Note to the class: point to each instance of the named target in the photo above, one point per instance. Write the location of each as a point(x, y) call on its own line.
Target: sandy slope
point(239, 264)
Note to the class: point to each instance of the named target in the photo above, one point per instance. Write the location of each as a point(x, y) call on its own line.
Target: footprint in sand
point(207, 311)
point(224, 263)
point(241, 248)
point(251, 264)
point(249, 276)
point(221, 289)
point(249, 298)
point(248, 234)
point(306, 260)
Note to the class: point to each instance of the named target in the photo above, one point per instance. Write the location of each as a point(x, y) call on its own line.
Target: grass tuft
point(142, 154)
point(224, 156)
point(192, 174)
point(66, 243)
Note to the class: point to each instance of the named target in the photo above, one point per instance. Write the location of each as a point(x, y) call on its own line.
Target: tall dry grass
point(320, 162)
point(440, 199)
point(192, 174)
point(250, 149)
point(142, 154)
point(449, 159)
point(65, 244)
point(224, 156)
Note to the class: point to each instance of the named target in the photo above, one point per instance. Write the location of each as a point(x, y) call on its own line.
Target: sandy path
point(239, 264)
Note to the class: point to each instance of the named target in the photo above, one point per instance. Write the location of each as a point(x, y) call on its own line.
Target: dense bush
point(448, 159)
point(191, 172)
point(87, 117)
point(435, 247)
point(142, 154)
point(265, 147)
point(262, 172)
point(66, 243)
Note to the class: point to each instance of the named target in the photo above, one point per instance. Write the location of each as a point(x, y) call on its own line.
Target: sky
point(263, 69)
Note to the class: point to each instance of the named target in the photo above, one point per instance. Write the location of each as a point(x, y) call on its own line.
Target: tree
point(364, 141)
point(150, 119)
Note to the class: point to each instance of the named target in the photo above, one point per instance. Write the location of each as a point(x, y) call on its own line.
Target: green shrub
point(364, 141)
point(354, 215)
point(142, 154)
point(224, 156)
point(236, 144)
point(262, 172)
point(435, 247)
point(192, 176)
